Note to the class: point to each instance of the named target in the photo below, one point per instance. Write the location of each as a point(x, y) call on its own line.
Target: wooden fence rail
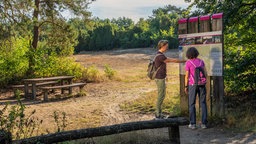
point(172, 123)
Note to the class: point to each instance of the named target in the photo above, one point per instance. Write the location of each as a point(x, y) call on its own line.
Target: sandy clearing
point(101, 105)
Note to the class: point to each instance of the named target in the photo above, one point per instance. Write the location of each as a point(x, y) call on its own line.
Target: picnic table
point(34, 82)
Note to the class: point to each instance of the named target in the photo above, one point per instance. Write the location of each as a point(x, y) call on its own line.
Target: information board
point(209, 43)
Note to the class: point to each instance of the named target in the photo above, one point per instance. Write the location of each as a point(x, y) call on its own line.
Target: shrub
point(240, 53)
point(92, 74)
point(13, 59)
point(17, 123)
point(53, 65)
point(14, 63)
point(109, 72)
point(60, 120)
point(240, 70)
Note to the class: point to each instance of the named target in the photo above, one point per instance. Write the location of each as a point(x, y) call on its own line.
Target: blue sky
point(133, 9)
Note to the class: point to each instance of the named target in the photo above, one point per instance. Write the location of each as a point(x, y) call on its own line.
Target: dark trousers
point(201, 91)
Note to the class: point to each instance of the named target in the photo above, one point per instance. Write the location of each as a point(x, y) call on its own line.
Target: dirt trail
point(111, 95)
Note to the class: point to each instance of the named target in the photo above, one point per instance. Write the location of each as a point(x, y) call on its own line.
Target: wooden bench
point(62, 87)
point(16, 87)
point(34, 81)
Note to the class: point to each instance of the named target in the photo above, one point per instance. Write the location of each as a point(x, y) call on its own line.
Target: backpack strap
point(156, 56)
point(155, 59)
point(194, 64)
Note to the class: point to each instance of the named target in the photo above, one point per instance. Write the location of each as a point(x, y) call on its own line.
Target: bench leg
point(174, 134)
point(53, 90)
point(62, 91)
point(70, 90)
point(46, 95)
point(62, 83)
point(34, 90)
point(26, 92)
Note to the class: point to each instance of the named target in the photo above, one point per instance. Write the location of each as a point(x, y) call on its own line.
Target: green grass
point(241, 121)
point(147, 102)
point(131, 75)
point(240, 113)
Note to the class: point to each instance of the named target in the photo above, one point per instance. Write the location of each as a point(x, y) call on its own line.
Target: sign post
point(205, 34)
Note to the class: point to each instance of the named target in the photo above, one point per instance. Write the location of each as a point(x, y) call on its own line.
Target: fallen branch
point(104, 130)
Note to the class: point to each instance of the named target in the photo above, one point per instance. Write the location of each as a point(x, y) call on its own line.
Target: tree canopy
point(40, 25)
point(29, 18)
point(125, 33)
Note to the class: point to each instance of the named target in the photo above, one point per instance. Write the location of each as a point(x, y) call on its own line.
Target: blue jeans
point(193, 91)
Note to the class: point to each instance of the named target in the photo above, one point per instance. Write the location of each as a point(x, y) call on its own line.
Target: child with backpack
point(195, 81)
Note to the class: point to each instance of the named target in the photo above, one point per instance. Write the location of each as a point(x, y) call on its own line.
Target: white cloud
point(134, 9)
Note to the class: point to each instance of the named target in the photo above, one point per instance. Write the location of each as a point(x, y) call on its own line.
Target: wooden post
point(174, 134)
point(218, 96)
point(62, 89)
point(70, 88)
point(34, 90)
point(183, 29)
point(45, 95)
point(208, 95)
point(183, 97)
point(5, 137)
point(218, 81)
point(26, 89)
point(221, 92)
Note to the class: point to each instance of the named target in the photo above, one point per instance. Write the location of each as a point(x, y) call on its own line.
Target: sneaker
point(192, 126)
point(160, 117)
point(203, 126)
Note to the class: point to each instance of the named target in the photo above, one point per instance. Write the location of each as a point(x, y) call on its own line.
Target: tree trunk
point(106, 130)
point(36, 25)
point(33, 46)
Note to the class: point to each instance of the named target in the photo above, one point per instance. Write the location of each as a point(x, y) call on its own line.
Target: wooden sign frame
point(200, 26)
